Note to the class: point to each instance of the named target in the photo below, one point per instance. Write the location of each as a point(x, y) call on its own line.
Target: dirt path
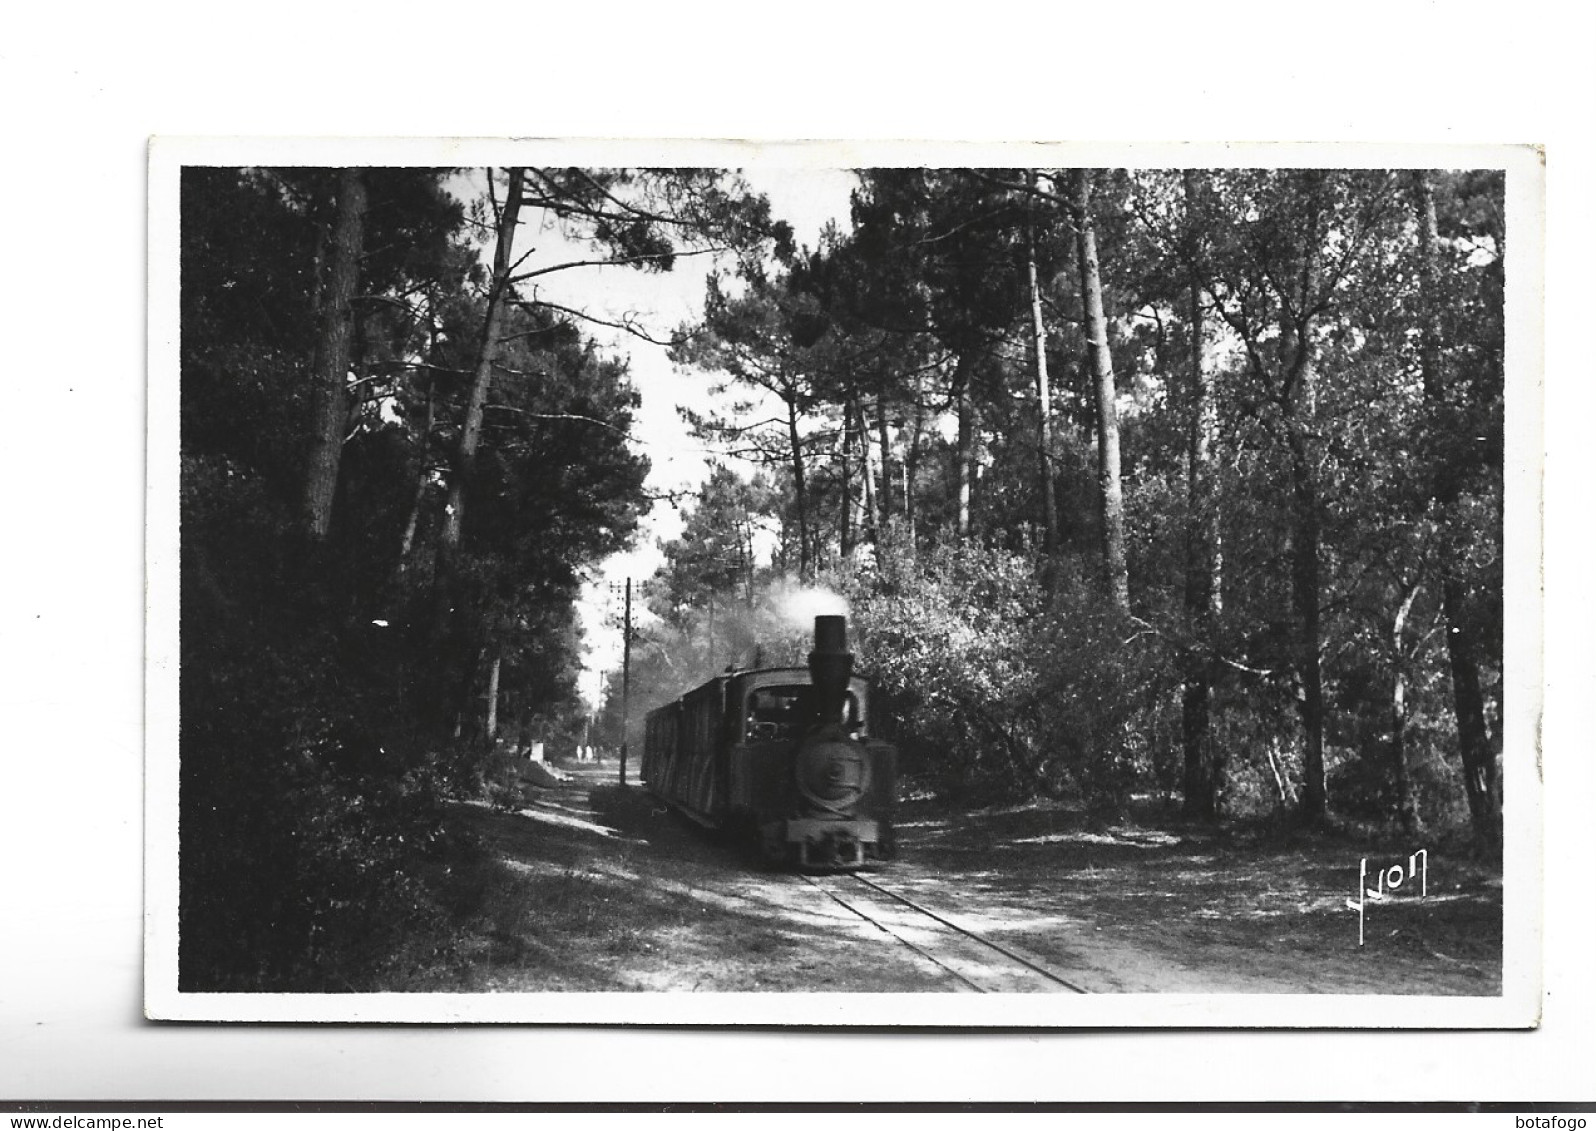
point(611, 891)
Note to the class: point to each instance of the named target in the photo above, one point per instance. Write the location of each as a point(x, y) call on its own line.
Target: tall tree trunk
point(884, 495)
point(448, 630)
point(355, 406)
point(1299, 406)
point(1044, 405)
point(487, 354)
point(1474, 742)
point(1199, 792)
point(965, 455)
point(332, 355)
point(1305, 596)
point(422, 473)
point(1204, 759)
point(1288, 795)
point(911, 468)
point(493, 699)
point(1468, 701)
point(846, 525)
point(1407, 810)
point(872, 513)
point(1102, 368)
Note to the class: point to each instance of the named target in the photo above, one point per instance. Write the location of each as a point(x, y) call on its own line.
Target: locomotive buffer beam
point(831, 843)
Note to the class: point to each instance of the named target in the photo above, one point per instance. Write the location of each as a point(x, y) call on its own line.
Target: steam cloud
point(771, 627)
point(799, 605)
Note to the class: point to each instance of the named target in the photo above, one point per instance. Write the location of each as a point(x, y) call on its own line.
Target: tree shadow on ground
point(1209, 896)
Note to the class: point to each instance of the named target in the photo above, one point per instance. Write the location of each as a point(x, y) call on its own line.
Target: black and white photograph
point(868, 561)
point(1034, 586)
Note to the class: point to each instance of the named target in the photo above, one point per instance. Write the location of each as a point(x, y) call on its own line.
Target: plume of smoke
point(798, 605)
point(771, 627)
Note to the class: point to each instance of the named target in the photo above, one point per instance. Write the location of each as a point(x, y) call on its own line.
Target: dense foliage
point(1278, 592)
point(353, 376)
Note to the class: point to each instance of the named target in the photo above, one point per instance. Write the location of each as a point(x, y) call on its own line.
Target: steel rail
point(969, 934)
point(886, 930)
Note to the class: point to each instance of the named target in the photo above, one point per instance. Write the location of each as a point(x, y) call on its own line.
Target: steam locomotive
point(782, 756)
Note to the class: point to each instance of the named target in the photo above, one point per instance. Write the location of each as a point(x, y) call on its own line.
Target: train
point(782, 758)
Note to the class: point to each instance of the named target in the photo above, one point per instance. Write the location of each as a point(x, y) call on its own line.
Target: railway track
point(976, 963)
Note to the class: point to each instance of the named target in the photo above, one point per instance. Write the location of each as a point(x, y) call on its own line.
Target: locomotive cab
point(785, 712)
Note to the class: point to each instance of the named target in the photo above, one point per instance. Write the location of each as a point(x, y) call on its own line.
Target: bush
point(300, 828)
point(1002, 692)
point(1110, 707)
point(943, 637)
point(308, 811)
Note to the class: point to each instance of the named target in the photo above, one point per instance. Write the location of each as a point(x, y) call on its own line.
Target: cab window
point(776, 714)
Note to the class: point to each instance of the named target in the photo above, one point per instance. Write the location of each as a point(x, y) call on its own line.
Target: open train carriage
point(784, 755)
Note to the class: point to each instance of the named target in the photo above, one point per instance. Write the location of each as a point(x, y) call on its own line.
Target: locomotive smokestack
point(830, 666)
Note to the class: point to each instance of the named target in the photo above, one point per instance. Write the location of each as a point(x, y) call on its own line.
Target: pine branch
point(555, 201)
point(628, 325)
point(1021, 187)
point(562, 416)
point(629, 435)
point(420, 365)
point(616, 261)
point(631, 210)
point(529, 333)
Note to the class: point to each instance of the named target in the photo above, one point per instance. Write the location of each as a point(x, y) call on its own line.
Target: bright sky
point(807, 199)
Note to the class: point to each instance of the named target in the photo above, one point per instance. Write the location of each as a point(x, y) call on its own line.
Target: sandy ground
point(607, 890)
